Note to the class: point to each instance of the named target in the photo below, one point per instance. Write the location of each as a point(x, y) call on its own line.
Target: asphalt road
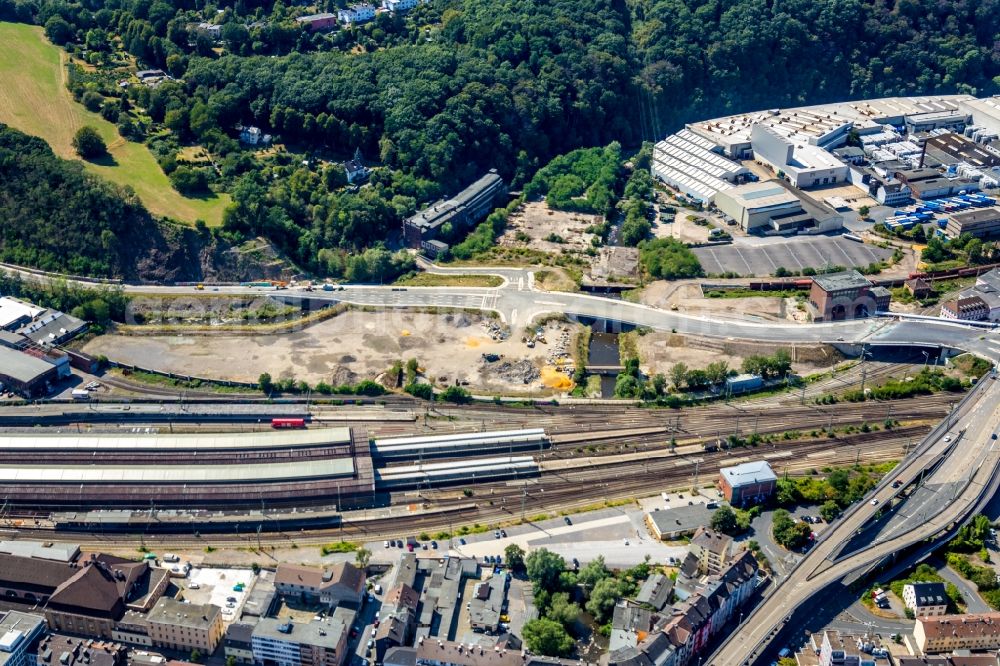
point(965, 475)
point(517, 302)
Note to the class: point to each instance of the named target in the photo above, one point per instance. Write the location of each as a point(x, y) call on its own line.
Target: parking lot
point(218, 587)
point(753, 259)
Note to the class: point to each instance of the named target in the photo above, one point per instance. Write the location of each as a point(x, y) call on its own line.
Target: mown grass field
point(448, 280)
point(34, 99)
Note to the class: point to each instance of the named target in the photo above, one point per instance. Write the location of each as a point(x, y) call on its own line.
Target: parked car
point(385, 544)
point(496, 534)
point(567, 520)
point(874, 501)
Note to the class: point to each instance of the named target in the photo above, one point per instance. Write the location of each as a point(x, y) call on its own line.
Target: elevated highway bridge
point(949, 477)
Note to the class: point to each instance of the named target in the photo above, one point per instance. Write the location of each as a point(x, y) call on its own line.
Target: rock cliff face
point(180, 254)
point(54, 216)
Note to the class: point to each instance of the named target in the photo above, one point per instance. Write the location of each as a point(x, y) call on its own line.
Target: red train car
point(288, 423)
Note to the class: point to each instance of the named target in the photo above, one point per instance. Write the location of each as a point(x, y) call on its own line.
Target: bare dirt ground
point(660, 350)
point(536, 220)
point(684, 229)
point(353, 346)
point(687, 297)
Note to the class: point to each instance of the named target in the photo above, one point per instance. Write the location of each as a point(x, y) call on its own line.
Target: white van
point(170, 557)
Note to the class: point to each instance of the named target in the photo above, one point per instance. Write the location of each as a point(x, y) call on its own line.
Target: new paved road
point(518, 303)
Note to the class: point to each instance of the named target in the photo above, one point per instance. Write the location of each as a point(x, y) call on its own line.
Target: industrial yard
point(355, 345)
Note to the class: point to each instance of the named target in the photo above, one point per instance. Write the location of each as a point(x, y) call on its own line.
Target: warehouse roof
point(813, 123)
point(681, 519)
point(44, 550)
point(13, 309)
point(22, 367)
point(443, 210)
point(53, 327)
point(689, 162)
point(950, 148)
point(976, 215)
point(752, 472)
point(61, 473)
point(160, 442)
point(762, 195)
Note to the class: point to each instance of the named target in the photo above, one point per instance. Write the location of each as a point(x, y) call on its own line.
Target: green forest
point(437, 97)
point(56, 217)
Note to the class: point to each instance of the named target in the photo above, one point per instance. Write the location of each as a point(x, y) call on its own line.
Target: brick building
point(846, 295)
point(749, 483)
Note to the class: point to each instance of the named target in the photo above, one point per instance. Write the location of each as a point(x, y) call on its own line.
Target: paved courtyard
point(793, 254)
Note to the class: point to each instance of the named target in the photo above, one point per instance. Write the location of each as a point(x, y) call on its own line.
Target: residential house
point(400, 656)
point(398, 618)
point(969, 308)
point(682, 632)
point(947, 633)
point(322, 642)
point(399, 5)
point(448, 653)
point(831, 648)
point(656, 591)
point(355, 168)
point(317, 22)
point(712, 550)
point(631, 623)
point(918, 288)
point(214, 31)
point(950, 660)
point(238, 642)
point(927, 599)
point(987, 287)
point(342, 584)
point(359, 13)
point(487, 602)
point(254, 136)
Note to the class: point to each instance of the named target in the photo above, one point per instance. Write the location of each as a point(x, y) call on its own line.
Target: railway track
point(501, 503)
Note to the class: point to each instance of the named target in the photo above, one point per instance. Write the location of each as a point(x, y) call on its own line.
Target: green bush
point(668, 259)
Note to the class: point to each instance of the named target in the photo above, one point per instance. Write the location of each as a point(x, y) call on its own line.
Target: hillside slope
point(57, 217)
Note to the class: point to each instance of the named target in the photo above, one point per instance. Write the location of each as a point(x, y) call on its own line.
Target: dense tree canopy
point(462, 86)
point(55, 216)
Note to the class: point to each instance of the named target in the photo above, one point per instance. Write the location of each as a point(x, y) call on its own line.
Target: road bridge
point(945, 480)
point(517, 301)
